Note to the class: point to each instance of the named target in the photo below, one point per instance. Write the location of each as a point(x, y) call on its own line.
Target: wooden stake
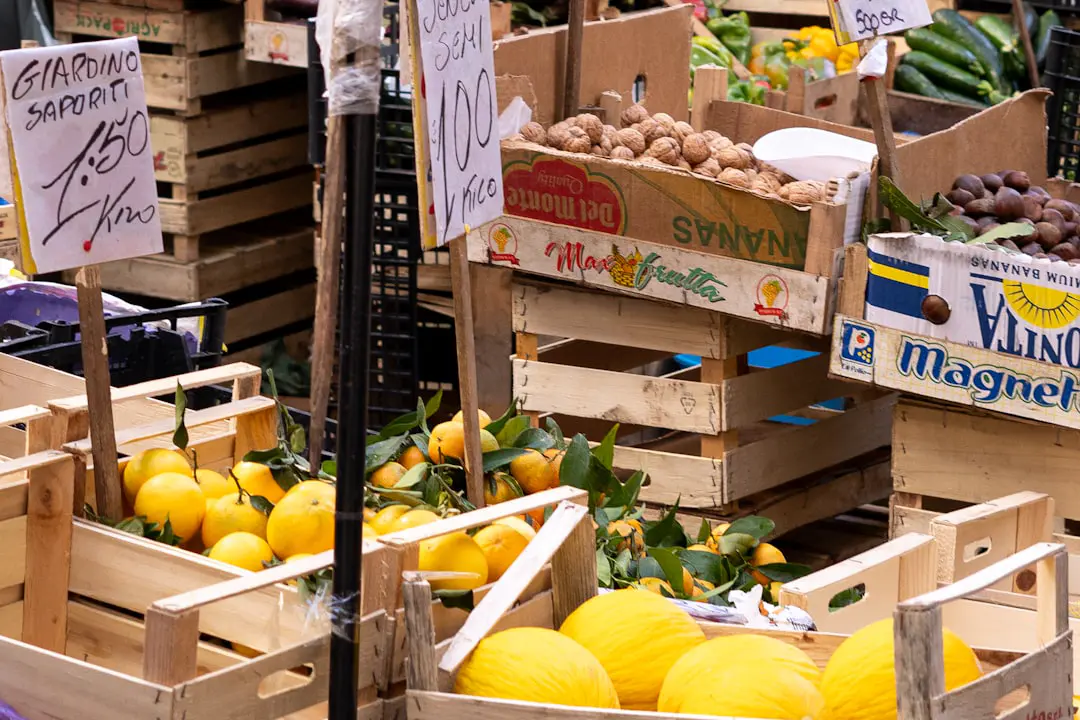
point(1025, 37)
point(327, 289)
point(95, 356)
point(881, 122)
point(461, 286)
point(575, 29)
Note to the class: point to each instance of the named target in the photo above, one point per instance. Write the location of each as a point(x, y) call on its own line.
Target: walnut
point(666, 120)
point(591, 125)
point(632, 140)
point(733, 157)
point(749, 151)
point(633, 114)
point(610, 131)
point(803, 191)
point(710, 168)
point(647, 160)
point(682, 130)
point(684, 165)
point(711, 135)
point(578, 141)
point(516, 137)
point(664, 149)
point(751, 174)
point(653, 130)
point(695, 149)
point(720, 143)
point(607, 145)
point(599, 151)
point(534, 132)
point(622, 152)
point(766, 183)
point(734, 177)
point(557, 135)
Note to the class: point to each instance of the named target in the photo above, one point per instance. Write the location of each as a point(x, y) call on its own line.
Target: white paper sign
point(462, 117)
point(81, 136)
point(862, 19)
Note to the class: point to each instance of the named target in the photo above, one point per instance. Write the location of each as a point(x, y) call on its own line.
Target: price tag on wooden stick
point(456, 77)
point(865, 19)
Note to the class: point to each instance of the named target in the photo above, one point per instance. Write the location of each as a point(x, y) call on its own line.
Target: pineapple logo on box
point(565, 193)
point(503, 244)
point(857, 349)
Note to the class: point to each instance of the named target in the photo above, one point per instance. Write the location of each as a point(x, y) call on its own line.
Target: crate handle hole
point(637, 93)
point(846, 598)
point(284, 681)
point(977, 549)
point(824, 102)
point(1015, 700)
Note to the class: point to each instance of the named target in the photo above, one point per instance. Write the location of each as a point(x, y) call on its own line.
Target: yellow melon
point(750, 690)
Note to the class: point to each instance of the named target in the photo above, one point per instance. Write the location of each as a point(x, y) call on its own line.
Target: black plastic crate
point(1063, 78)
point(136, 353)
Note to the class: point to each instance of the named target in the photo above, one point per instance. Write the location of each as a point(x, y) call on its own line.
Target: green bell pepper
point(734, 32)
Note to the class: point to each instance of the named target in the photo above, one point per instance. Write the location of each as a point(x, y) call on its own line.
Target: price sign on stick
point(864, 19)
point(83, 176)
point(80, 138)
point(460, 114)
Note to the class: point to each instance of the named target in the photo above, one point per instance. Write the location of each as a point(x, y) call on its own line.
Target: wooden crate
point(264, 313)
point(723, 448)
point(567, 539)
point(247, 423)
point(917, 563)
point(188, 55)
point(244, 256)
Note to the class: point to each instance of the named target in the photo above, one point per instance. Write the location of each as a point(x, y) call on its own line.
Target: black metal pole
point(352, 411)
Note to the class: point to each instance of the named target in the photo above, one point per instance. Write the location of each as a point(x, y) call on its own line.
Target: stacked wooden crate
point(230, 154)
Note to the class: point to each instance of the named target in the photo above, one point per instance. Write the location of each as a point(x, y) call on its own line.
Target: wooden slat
point(13, 541)
point(693, 481)
point(195, 217)
point(224, 374)
point(757, 396)
point(598, 356)
point(269, 313)
point(619, 397)
point(800, 451)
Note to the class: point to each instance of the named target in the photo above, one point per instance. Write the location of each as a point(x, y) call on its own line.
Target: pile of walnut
point(660, 140)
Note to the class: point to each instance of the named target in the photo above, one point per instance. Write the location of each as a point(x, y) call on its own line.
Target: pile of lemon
point(205, 508)
point(632, 650)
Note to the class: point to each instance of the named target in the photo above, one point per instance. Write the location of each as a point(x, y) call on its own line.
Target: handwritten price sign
point(863, 19)
point(461, 116)
point(81, 140)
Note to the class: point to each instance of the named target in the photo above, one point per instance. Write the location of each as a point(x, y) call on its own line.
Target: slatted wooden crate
point(566, 540)
point(188, 55)
point(721, 449)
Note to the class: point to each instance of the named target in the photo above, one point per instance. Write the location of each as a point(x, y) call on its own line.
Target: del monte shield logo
point(565, 193)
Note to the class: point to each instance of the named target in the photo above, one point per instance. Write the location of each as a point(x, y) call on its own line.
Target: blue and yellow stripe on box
point(896, 285)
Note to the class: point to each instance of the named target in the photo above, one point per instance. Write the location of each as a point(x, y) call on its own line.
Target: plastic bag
point(344, 28)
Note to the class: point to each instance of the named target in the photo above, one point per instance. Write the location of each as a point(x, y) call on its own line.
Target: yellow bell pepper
point(821, 41)
point(847, 58)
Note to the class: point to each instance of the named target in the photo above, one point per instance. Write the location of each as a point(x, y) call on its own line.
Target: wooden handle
point(20, 415)
point(166, 386)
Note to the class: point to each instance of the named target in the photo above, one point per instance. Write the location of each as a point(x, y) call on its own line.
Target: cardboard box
point(653, 45)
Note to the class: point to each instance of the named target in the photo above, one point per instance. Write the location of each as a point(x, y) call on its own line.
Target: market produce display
point(657, 658)
point(660, 140)
point(976, 63)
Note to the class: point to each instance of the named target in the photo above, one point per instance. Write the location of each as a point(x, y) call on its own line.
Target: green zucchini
point(959, 97)
point(945, 75)
point(956, 27)
point(909, 79)
point(1041, 39)
point(943, 48)
point(999, 31)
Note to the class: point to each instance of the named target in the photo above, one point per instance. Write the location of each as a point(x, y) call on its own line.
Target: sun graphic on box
point(1043, 307)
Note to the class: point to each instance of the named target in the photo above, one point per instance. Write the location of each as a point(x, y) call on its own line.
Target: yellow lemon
point(534, 472)
point(765, 554)
point(412, 456)
point(213, 484)
point(656, 585)
point(385, 518)
point(369, 514)
point(229, 514)
point(518, 524)
point(317, 487)
point(774, 591)
point(301, 523)
point(485, 419)
point(698, 589)
point(556, 456)
point(634, 536)
point(174, 497)
point(456, 552)
point(536, 665)
point(859, 682)
point(447, 443)
point(717, 532)
point(294, 558)
point(500, 487)
point(714, 657)
point(368, 533)
point(488, 443)
point(243, 550)
point(702, 548)
point(388, 475)
point(245, 650)
point(148, 463)
point(501, 546)
point(637, 636)
point(414, 518)
point(257, 479)
point(745, 690)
